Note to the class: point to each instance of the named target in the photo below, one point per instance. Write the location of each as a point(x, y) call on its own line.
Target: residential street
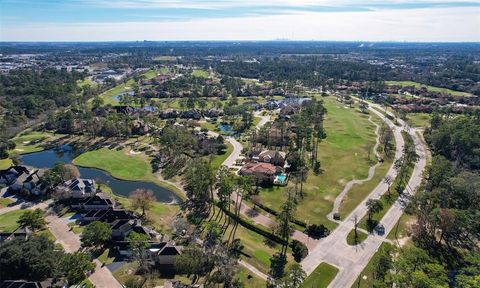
point(237, 150)
point(351, 260)
point(102, 277)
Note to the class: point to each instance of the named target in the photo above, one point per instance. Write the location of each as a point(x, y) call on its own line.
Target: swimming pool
point(280, 179)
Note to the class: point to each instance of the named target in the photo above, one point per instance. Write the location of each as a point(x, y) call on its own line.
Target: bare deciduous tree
point(142, 199)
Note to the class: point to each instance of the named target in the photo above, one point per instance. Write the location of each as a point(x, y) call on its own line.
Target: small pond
point(65, 154)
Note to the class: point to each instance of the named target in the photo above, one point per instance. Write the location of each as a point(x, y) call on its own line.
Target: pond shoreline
point(166, 193)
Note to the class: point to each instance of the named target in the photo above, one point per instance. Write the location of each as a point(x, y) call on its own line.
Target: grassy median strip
point(321, 276)
point(360, 237)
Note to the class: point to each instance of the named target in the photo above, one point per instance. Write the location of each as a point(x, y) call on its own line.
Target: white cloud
point(441, 24)
point(222, 4)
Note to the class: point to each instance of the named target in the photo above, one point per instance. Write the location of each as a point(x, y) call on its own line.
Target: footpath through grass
point(343, 155)
point(358, 192)
point(392, 195)
point(321, 276)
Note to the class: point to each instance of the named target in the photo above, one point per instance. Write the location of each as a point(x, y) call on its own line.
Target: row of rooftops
point(24, 284)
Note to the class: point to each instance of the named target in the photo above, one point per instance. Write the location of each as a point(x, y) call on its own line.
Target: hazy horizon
point(248, 20)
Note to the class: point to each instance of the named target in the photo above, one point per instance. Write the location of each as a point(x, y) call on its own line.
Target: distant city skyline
point(157, 20)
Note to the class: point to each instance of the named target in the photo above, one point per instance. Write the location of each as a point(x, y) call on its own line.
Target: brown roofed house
point(264, 173)
point(274, 157)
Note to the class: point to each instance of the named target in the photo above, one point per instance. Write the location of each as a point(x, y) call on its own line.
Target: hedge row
point(255, 228)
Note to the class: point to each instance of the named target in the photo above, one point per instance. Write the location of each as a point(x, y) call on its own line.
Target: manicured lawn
point(84, 82)
point(200, 73)
point(4, 202)
point(124, 201)
point(210, 126)
point(117, 163)
point(358, 192)
point(33, 141)
point(217, 160)
point(360, 237)
point(256, 251)
point(321, 276)
point(126, 272)
point(86, 284)
point(5, 163)
point(8, 221)
point(105, 257)
point(120, 88)
point(429, 88)
point(160, 215)
point(75, 228)
point(418, 119)
point(343, 155)
point(249, 279)
point(123, 166)
point(47, 233)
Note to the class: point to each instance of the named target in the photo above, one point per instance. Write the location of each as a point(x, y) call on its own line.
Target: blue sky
point(369, 20)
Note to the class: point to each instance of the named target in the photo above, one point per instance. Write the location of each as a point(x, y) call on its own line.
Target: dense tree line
point(457, 139)
point(446, 233)
point(37, 259)
point(310, 71)
point(26, 94)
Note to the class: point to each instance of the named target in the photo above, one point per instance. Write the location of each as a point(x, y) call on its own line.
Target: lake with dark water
point(65, 154)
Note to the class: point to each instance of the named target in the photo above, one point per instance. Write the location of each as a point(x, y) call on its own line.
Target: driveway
point(101, 277)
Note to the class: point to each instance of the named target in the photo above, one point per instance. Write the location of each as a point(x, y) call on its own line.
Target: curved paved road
point(351, 260)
